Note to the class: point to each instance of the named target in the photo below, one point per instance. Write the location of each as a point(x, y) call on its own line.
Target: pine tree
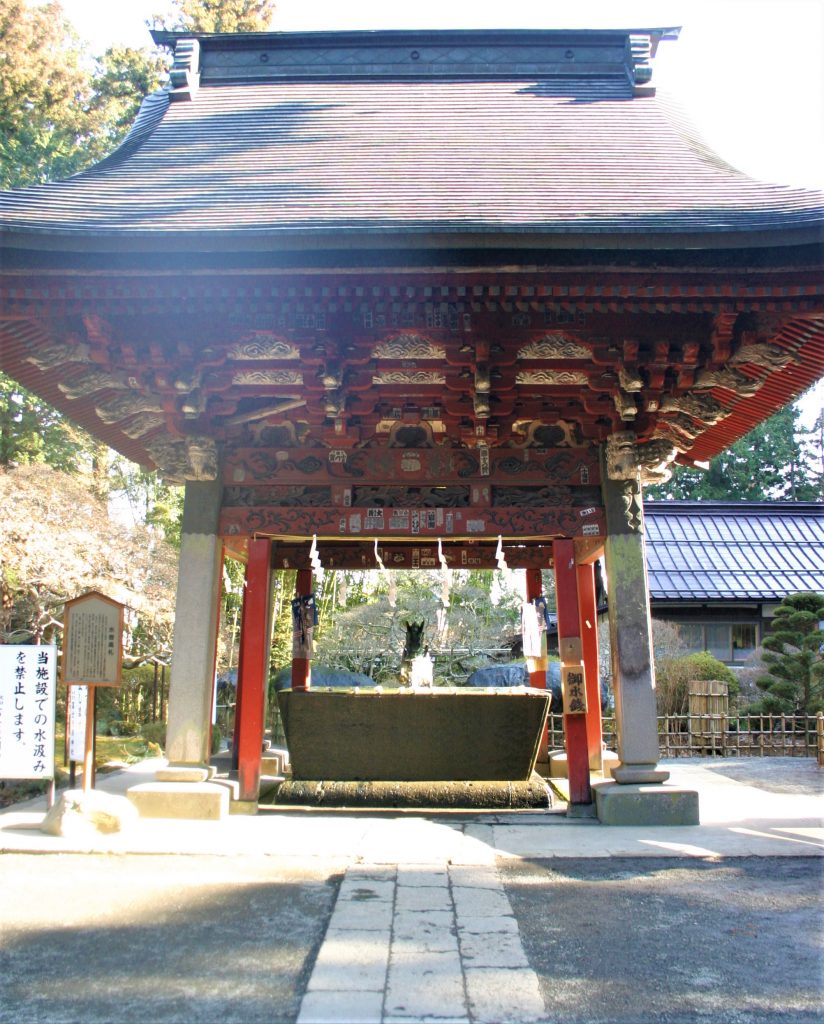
point(794, 656)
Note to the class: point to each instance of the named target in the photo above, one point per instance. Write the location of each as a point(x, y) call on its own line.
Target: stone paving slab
point(451, 952)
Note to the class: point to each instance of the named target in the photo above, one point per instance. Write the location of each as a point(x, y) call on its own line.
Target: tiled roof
point(734, 550)
point(480, 143)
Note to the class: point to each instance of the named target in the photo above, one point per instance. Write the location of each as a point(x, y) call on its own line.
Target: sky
point(749, 73)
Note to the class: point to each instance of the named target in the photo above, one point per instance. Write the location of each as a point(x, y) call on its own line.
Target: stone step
point(206, 801)
point(558, 764)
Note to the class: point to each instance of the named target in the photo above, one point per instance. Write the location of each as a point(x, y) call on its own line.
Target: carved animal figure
point(411, 647)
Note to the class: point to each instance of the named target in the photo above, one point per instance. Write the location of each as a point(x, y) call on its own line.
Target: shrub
point(673, 676)
point(154, 732)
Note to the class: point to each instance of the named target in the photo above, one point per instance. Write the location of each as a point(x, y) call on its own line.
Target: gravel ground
point(631, 941)
point(182, 940)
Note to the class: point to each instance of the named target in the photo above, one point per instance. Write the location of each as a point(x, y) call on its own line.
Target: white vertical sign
point(27, 711)
point(78, 702)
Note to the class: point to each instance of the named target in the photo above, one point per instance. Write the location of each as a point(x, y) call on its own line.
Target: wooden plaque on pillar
point(573, 686)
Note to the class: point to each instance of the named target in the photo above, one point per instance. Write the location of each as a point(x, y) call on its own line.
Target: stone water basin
point(433, 734)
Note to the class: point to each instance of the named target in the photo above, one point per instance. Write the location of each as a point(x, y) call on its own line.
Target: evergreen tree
point(776, 461)
point(31, 431)
point(60, 111)
point(794, 657)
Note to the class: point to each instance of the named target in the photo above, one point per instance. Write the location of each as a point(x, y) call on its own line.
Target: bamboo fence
point(730, 735)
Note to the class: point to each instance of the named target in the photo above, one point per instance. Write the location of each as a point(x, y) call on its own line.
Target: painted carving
point(202, 455)
point(731, 380)
point(333, 403)
point(622, 455)
point(684, 425)
point(190, 458)
point(194, 404)
point(703, 408)
point(409, 346)
point(562, 434)
point(625, 406)
point(554, 346)
point(633, 508)
point(259, 378)
point(270, 435)
point(50, 356)
point(141, 425)
point(630, 380)
point(483, 379)
point(656, 458)
point(482, 406)
point(410, 497)
point(664, 431)
point(531, 497)
point(627, 459)
point(286, 497)
point(524, 522)
point(259, 345)
point(763, 354)
point(92, 381)
point(331, 377)
point(571, 466)
point(188, 379)
point(562, 378)
point(411, 435)
point(128, 404)
point(409, 377)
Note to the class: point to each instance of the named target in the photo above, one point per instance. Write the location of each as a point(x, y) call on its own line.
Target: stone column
point(196, 623)
point(633, 672)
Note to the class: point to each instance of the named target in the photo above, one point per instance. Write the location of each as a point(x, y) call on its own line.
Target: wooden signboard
point(573, 685)
point(92, 656)
point(92, 640)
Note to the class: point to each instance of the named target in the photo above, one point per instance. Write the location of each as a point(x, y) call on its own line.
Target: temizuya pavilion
point(411, 287)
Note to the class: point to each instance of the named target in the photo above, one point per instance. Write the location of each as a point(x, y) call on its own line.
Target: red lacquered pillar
point(253, 666)
point(588, 609)
point(301, 662)
point(570, 647)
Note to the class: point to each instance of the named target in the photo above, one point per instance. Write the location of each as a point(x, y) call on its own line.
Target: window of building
point(729, 642)
point(744, 640)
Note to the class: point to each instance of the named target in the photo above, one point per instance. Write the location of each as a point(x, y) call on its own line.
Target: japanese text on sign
point(574, 689)
point(92, 641)
point(27, 698)
point(77, 704)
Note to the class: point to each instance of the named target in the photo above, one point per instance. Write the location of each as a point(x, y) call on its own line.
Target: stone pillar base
point(618, 804)
point(639, 774)
point(190, 800)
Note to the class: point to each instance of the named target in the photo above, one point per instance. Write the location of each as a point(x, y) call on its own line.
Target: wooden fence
point(730, 735)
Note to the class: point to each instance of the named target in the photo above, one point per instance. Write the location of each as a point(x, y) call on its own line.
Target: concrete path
point(411, 917)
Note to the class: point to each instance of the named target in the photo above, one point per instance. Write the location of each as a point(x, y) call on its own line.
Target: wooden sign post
point(92, 656)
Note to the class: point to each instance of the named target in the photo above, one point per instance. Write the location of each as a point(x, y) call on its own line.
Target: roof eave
point(404, 237)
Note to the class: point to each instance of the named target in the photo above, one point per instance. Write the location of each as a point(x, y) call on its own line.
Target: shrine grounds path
point(308, 916)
